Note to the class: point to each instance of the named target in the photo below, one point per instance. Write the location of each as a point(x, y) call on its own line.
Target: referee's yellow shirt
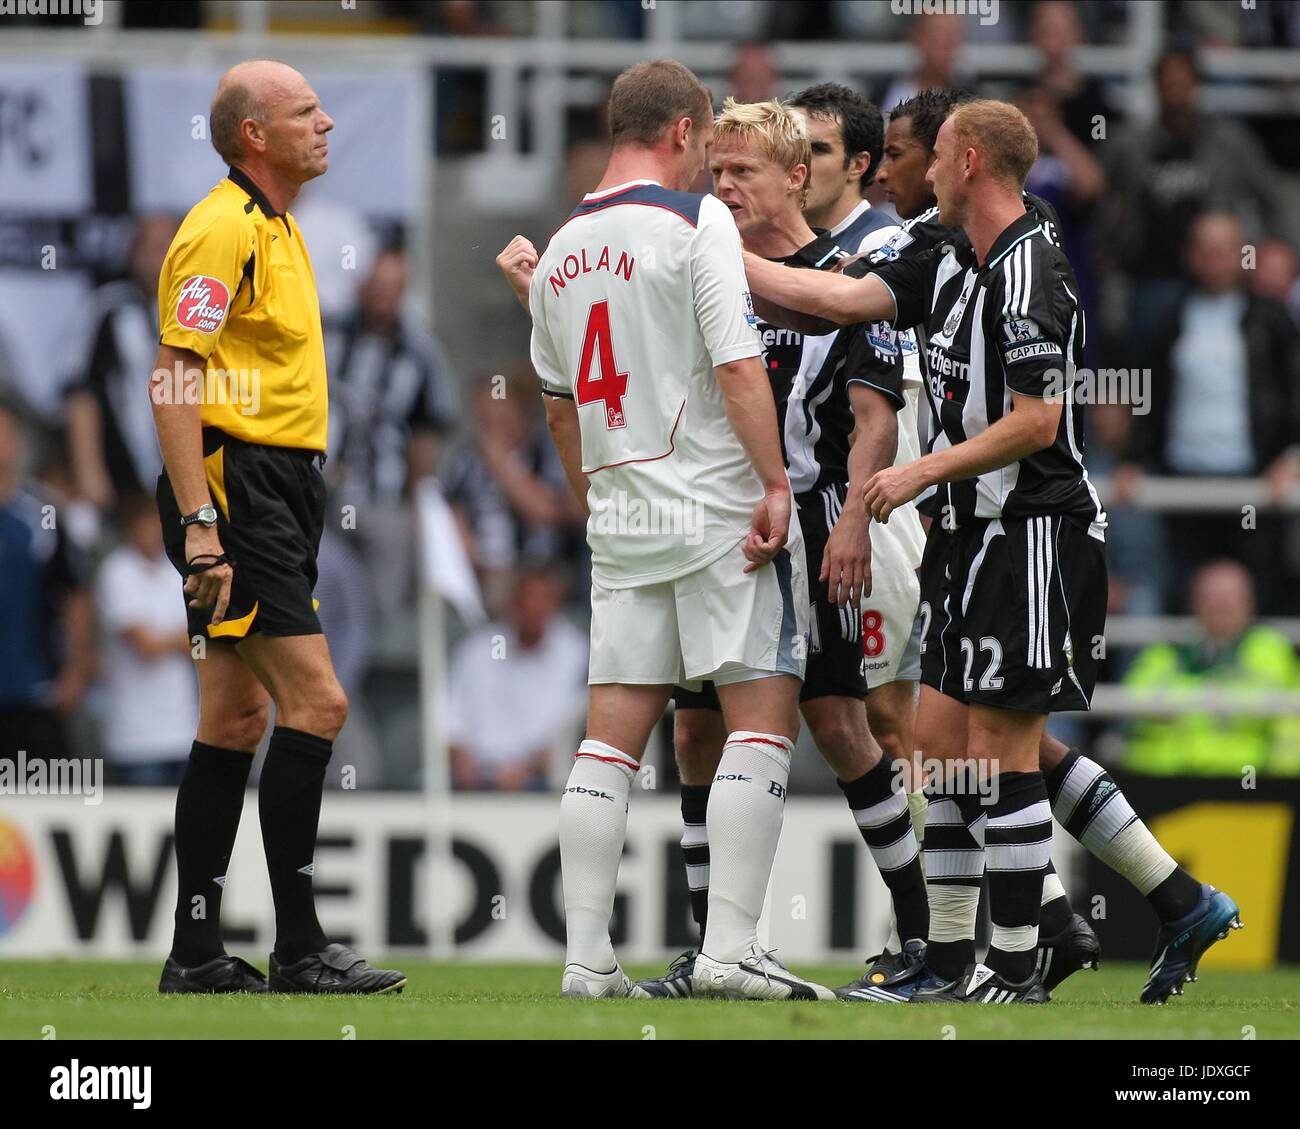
point(237, 289)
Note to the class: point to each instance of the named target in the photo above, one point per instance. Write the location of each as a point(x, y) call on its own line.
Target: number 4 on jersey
point(611, 385)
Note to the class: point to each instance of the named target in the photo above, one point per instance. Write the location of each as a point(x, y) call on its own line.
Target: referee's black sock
point(288, 801)
point(208, 804)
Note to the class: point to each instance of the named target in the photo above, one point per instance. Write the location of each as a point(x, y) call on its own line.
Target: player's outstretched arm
point(517, 262)
point(562, 419)
point(747, 393)
point(1030, 426)
point(823, 294)
point(806, 324)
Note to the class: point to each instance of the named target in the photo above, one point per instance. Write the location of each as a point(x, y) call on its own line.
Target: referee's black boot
point(335, 970)
point(220, 975)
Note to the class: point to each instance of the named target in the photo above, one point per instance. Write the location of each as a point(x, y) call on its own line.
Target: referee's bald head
point(1002, 136)
point(248, 91)
point(265, 111)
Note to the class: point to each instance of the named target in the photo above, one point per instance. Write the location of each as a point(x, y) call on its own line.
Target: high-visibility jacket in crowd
point(1260, 662)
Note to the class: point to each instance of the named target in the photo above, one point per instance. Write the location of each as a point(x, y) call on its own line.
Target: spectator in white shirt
point(151, 696)
point(518, 689)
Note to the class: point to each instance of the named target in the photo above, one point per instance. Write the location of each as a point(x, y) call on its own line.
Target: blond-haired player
point(837, 397)
point(644, 341)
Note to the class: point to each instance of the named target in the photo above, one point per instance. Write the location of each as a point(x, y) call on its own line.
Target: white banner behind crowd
point(45, 154)
point(85, 151)
point(173, 164)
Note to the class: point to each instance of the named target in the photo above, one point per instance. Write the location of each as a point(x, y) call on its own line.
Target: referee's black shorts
point(835, 660)
point(1013, 611)
point(270, 515)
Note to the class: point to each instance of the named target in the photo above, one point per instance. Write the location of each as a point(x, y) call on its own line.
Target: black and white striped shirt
point(381, 388)
point(111, 359)
point(810, 376)
point(1012, 325)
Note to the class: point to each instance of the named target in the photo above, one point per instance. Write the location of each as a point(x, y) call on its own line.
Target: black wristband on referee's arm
point(205, 562)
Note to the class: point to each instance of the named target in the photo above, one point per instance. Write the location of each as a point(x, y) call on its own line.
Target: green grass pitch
point(117, 1000)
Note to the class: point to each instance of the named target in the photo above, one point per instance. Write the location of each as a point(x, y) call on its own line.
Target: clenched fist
point(517, 262)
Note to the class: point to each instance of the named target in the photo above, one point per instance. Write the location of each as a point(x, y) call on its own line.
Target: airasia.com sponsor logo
point(202, 303)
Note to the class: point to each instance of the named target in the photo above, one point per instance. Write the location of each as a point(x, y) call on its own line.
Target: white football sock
point(1053, 888)
point(746, 808)
point(895, 943)
point(1138, 856)
point(593, 824)
point(917, 806)
point(953, 912)
point(1092, 808)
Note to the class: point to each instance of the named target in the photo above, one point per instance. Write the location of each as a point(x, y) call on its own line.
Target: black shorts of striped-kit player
point(270, 505)
point(1012, 612)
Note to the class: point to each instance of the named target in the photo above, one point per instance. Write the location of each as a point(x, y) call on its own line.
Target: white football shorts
point(891, 639)
point(718, 623)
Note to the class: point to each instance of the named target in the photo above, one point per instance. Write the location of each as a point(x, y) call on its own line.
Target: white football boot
point(580, 982)
point(759, 976)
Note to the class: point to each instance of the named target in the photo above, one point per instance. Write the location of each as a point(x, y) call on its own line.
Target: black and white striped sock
point(1018, 851)
point(1090, 806)
point(954, 871)
point(879, 805)
point(695, 849)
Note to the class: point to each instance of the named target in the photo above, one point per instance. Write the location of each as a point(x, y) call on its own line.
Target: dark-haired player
point(847, 137)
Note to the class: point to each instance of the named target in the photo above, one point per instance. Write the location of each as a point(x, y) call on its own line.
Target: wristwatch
point(206, 514)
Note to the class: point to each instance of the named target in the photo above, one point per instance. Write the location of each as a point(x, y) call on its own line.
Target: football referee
point(1013, 587)
point(240, 404)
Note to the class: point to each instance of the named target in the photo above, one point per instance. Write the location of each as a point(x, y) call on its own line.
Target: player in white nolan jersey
point(644, 341)
point(837, 397)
